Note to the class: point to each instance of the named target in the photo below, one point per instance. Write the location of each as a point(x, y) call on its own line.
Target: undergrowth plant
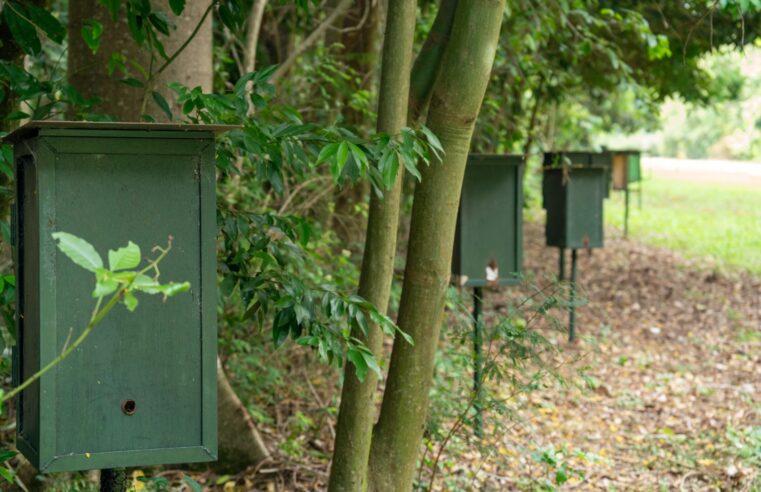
point(518, 357)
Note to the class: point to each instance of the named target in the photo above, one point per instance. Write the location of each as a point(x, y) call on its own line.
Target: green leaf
point(130, 301)
point(194, 486)
point(23, 32)
point(79, 251)
point(160, 22)
point(162, 104)
point(132, 82)
point(48, 24)
point(177, 6)
point(146, 284)
point(411, 166)
point(359, 156)
point(105, 283)
point(173, 288)
point(342, 154)
point(433, 142)
point(17, 115)
point(6, 474)
point(327, 152)
point(355, 356)
point(91, 33)
point(7, 455)
point(124, 258)
point(371, 363)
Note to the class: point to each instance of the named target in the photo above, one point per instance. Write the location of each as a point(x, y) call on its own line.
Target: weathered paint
point(110, 185)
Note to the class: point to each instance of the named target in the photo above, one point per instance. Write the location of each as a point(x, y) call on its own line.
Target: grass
point(721, 222)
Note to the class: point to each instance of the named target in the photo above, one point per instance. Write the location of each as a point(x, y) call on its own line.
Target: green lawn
point(697, 219)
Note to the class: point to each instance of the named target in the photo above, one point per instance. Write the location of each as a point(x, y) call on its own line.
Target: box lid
point(33, 127)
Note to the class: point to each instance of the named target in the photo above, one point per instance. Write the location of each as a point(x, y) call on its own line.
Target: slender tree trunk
point(455, 104)
point(193, 68)
point(357, 411)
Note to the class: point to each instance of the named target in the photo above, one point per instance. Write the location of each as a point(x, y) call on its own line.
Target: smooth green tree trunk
point(455, 103)
point(357, 411)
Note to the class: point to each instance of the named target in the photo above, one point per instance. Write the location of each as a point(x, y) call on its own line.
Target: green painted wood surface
point(634, 167)
point(584, 159)
point(574, 203)
point(490, 220)
point(110, 187)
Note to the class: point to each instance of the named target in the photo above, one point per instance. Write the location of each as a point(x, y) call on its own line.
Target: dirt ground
point(673, 355)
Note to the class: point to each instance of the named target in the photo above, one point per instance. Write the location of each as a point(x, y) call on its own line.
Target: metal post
point(561, 275)
point(572, 314)
point(626, 212)
point(477, 360)
point(113, 480)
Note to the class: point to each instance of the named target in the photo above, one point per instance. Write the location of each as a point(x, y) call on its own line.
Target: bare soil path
point(673, 351)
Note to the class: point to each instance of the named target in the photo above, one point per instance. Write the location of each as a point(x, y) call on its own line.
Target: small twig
point(310, 40)
point(187, 41)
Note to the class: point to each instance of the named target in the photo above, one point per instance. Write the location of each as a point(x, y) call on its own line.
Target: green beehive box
point(583, 159)
point(574, 203)
point(109, 184)
point(490, 221)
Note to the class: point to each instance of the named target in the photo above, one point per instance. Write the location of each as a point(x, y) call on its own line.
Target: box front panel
point(141, 190)
point(635, 171)
point(584, 209)
point(490, 222)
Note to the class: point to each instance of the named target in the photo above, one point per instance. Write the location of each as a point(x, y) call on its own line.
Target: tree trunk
point(193, 68)
point(454, 107)
point(356, 414)
point(89, 73)
point(240, 444)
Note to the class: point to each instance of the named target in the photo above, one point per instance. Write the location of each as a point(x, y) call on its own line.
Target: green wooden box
point(573, 198)
point(584, 159)
point(490, 221)
point(109, 184)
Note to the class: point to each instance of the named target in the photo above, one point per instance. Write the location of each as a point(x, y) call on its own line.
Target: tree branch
point(252, 35)
point(311, 40)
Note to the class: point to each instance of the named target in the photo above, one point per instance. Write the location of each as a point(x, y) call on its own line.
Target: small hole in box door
point(129, 407)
